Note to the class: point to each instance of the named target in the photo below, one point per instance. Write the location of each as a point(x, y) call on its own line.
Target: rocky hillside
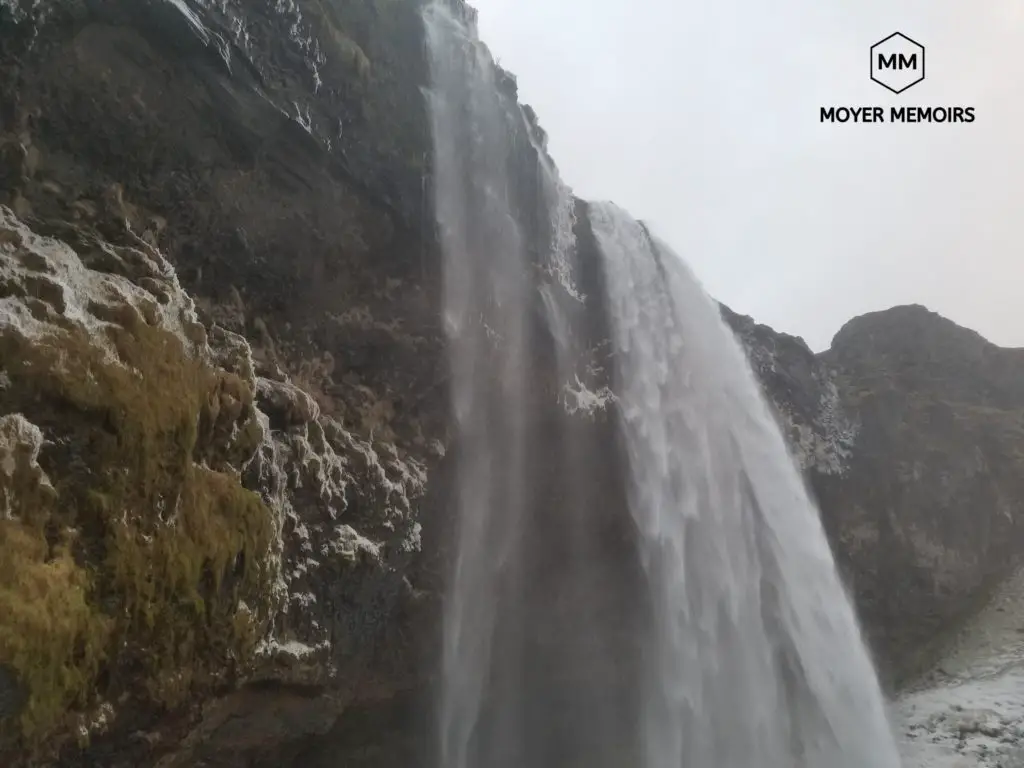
point(222, 386)
point(911, 432)
point(173, 523)
point(224, 432)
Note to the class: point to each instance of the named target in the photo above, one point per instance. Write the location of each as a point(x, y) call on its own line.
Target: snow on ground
point(970, 712)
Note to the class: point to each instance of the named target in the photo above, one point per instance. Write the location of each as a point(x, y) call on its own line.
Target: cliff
point(216, 225)
point(929, 516)
point(224, 428)
point(909, 430)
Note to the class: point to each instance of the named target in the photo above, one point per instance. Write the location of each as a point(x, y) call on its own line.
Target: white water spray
point(711, 631)
point(756, 659)
point(483, 303)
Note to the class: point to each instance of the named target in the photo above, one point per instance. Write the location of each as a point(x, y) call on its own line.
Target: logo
point(897, 62)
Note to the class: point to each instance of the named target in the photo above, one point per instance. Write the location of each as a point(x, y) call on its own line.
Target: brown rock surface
point(911, 432)
point(928, 518)
point(130, 440)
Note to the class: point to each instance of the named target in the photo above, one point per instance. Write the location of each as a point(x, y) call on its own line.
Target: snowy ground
point(970, 713)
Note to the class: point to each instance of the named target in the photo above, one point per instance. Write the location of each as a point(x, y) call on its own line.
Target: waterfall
point(649, 587)
point(484, 300)
point(529, 651)
point(755, 655)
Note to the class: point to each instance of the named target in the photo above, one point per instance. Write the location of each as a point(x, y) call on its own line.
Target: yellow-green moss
point(166, 587)
point(345, 50)
point(49, 633)
point(182, 586)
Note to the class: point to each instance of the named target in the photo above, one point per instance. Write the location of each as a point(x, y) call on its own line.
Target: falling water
point(529, 655)
point(484, 300)
point(756, 659)
point(652, 591)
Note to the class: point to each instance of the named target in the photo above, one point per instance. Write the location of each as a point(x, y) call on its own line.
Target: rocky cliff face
point(909, 429)
point(175, 525)
point(929, 514)
point(223, 417)
point(223, 384)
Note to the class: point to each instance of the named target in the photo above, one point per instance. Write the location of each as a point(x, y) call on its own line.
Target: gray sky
point(702, 119)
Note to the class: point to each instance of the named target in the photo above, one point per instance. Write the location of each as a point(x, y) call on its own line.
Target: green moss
point(166, 588)
point(340, 46)
point(181, 587)
point(50, 634)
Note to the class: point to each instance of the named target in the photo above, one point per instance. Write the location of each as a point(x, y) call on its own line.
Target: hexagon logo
point(897, 62)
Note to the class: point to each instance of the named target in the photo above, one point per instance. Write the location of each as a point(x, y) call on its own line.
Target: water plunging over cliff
point(755, 655)
point(705, 626)
point(484, 299)
point(528, 647)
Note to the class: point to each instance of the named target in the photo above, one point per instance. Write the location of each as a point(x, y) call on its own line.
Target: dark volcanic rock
point(911, 432)
point(276, 153)
point(136, 565)
point(803, 393)
point(169, 548)
point(929, 516)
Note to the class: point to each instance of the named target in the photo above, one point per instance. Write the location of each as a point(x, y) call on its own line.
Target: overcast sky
point(702, 120)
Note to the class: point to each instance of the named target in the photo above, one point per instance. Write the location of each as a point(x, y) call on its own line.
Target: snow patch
point(34, 11)
point(289, 648)
point(72, 292)
point(580, 399)
point(970, 712)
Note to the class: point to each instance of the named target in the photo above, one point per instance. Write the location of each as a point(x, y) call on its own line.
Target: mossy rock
point(137, 568)
point(337, 42)
point(51, 637)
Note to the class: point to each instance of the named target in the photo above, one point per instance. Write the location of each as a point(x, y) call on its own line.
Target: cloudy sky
point(702, 119)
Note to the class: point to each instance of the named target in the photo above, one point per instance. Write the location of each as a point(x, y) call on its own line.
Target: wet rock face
point(276, 151)
point(930, 514)
point(136, 564)
point(804, 394)
point(277, 155)
point(195, 527)
point(911, 432)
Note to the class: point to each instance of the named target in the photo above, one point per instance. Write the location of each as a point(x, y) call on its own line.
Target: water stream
point(755, 657)
point(710, 629)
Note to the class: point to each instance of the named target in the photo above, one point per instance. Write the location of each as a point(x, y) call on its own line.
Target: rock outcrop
point(277, 154)
point(134, 558)
point(224, 429)
point(910, 430)
point(929, 515)
point(173, 525)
